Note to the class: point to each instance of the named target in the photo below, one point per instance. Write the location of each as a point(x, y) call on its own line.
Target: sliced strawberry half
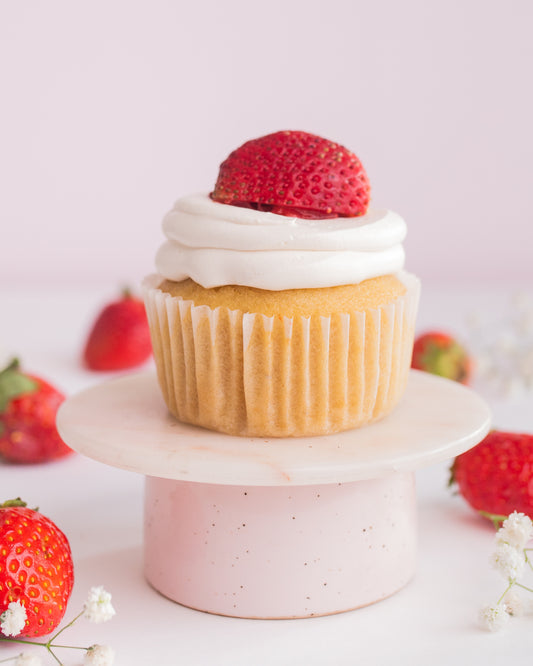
point(295, 174)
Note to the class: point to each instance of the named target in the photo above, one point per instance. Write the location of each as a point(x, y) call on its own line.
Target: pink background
point(110, 110)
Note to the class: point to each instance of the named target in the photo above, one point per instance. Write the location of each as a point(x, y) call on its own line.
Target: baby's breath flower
point(508, 560)
point(494, 617)
point(99, 655)
point(516, 530)
point(13, 619)
point(27, 659)
point(98, 606)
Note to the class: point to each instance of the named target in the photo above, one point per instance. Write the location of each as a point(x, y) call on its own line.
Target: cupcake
point(281, 307)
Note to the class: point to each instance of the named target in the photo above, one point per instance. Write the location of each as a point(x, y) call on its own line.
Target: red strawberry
point(35, 567)
point(496, 476)
point(441, 354)
point(120, 336)
point(295, 174)
point(28, 407)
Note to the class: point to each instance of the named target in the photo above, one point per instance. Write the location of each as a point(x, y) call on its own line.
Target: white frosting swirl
point(217, 244)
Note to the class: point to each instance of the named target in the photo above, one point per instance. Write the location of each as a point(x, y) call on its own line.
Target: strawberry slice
point(295, 174)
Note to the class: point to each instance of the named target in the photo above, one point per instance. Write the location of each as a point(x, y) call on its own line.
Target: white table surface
point(100, 509)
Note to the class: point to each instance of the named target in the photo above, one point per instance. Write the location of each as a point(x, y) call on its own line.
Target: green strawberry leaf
point(14, 383)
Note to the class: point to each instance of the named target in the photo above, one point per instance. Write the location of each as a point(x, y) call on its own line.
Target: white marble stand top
point(125, 423)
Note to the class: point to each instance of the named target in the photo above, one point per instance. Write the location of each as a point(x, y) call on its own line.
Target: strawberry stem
point(13, 502)
point(451, 478)
point(12, 366)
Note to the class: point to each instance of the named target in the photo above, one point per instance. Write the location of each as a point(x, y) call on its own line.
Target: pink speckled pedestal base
point(275, 528)
point(280, 552)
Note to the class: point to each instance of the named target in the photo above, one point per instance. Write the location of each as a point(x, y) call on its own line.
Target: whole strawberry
point(36, 567)
point(296, 174)
point(120, 336)
point(441, 354)
point(496, 476)
point(28, 407)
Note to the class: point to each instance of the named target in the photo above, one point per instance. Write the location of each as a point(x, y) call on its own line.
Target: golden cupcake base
point(273, 375)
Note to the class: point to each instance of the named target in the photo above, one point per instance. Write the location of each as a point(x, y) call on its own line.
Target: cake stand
point(275, 528)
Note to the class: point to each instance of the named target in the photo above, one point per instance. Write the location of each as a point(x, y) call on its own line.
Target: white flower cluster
point(13, 619)
point(503, 349)
point(99, 655)
point(509, 559)
point(97, 608)
point(494, 617)
point(516, 531)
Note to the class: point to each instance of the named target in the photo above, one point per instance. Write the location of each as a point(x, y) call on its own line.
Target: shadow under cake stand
point(275, 528)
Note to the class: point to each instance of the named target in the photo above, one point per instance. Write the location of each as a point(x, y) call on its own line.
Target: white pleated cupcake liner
point(257, 375)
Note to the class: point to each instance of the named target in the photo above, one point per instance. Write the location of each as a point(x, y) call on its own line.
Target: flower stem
point(511, 583)
point(495, 518)
point(65, 627)
point(25, 642)
point(54, 656)
point(45, 645)
point(524, 587)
